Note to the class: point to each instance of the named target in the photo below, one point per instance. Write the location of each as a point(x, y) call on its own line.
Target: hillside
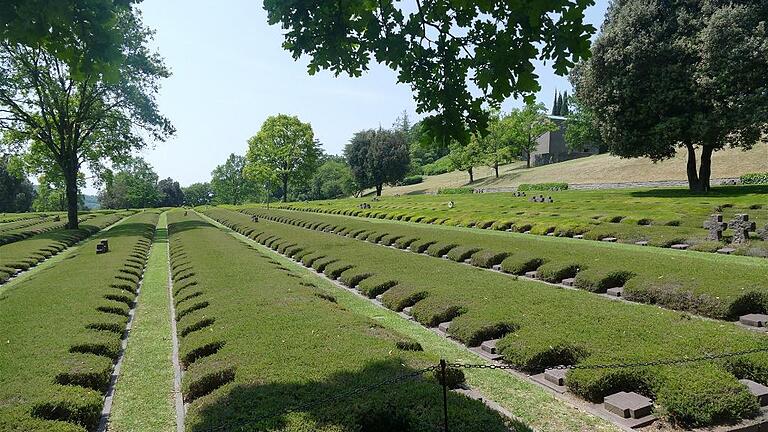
point(595, 169)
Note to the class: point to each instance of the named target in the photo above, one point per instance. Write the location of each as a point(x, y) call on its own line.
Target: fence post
point(445, 394)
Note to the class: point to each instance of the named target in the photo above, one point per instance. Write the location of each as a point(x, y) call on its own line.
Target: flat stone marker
point(407, 311)
point(716, 226)
point(555, 376)
point(497, 267)
point(615, 292)
point(568, 282)
point(609, 239)
point(758, 390)
point(489, 346)
point(468, 261)
point(527, 232)
point(531, 274)
point(680, 246)
point(551, 234)
point(379, 297)
point(628, 405)
point(579, 236)
point(444, 326)
point(754, 320)
point(726, 251)
point(642, 243)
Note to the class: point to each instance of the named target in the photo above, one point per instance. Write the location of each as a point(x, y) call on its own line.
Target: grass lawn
point(541, 326)
point(532, 405)
point(143, 398)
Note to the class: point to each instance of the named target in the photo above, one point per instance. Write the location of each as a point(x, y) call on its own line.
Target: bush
point(754, 178)
point(596, 280)
point(412, 180)
point(461, 253)
point(440, 166)
point(519, 264)
point(555, 272)
point(455, 191)
point(542, 187)
point(488, 259)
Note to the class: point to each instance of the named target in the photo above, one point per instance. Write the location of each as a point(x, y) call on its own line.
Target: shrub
point(542, 187)
point(556, 271)
point(439, 249)
point(455, 191)
point(412, 180)
point(519, 264)
point(440, 166)
point(598, 280)
point(754, 178)
point(408, 345)
point(487, 258)
point(461, 253)
point(211, 377)
point(400, 297)
point(373, 286)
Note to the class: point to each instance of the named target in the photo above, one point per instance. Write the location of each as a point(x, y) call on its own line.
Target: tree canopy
point(378, 157)
point(679, 74)
point(169, 193)
point(134, 186)
point(197, 194)
point(284, 151)
point(64, 117)
point(527, 125)
point(441, 48)
point(16, 191)
point(229, 184)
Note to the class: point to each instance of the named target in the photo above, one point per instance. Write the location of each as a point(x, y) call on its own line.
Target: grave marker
point(609, 239)
point(555, 376)
point(754, 320)
point(726, 250)
point(642, 243)
point(444, 326)
point(758, 390)
point(763, 233)
point(489, 346)
point(615, 292)
point(680, 246)
point(716, 226)
point(628, 405)
point(741, 227)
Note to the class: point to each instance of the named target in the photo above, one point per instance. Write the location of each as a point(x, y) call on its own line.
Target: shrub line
point(178, 397)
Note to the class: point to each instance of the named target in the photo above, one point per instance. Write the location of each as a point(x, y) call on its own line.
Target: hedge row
point(726, 287)
point(24, 254)
point(61, 332)
point(257, 338)
point(542, 187)
point(27, 228)
point(754, 178)
point(540, 326)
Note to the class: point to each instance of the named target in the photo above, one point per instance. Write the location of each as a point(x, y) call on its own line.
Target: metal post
point(445, 394)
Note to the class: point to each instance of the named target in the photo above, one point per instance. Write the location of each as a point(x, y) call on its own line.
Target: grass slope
point(61, 331)
point(594, 169)
point(143, 398)
point(257, 339)
point(542, 326)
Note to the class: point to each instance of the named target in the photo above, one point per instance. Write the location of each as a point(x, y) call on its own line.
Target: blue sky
point(230, 73)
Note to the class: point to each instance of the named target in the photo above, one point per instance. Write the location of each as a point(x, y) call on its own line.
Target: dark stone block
point(757, 389)
point(754, 320)
point(716, 226)
point(628, 405)
point(741, 226)
point(489, 346)
point(555, 376)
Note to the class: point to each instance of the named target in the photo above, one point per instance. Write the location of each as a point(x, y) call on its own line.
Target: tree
point(197, 194)
point(333, 179)
point(378, 157)
point(527, 125)
point(16, 191)
point(229, 184)
point(134, 186)
point(170, 193)
point(564, 105)
point(680, 74)
point(466, 157)
point(285, 150)
point(70, 116)
point(440, 48)
point(497, 143)
point(555, 106)
point(581, 128)
point(51, 195)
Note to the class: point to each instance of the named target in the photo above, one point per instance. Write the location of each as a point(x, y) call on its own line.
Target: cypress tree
point(555, 108)
point(564, 105)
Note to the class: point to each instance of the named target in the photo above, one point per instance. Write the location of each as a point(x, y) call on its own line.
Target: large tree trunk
point(285, 189)
point(496, 167)
point(528, 159)
point(70, 179)
point(694, 183)
point(471, 175)
point(705, 170)
point(379, 187)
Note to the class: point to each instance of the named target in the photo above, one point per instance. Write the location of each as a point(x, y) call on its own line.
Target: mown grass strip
point(274, 344)
point(62, 331)
point(541, 326)
point(726, 287)
point(143, 399)
point(534, 406)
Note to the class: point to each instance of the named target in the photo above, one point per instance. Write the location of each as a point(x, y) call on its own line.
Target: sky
point(230, 73)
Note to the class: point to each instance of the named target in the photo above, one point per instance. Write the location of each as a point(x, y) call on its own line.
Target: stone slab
point(539, 379)
point(680, 246)
point(489, 346)
point(726, 251)
point(407, 311)
point(757, 389)
point(628, 405)
point(568, 282)
point(579, 236)
point(642, 243)
point(615, 292)
point(754, 320)
point(497, 267)
point(555, 376)
point(444, 326)
point(609, 239)
point(468, 261)
point(485, 354)
point(531, 274)
point(379, 297)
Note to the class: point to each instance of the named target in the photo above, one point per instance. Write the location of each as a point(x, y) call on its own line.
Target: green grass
point(725, 287)
point(143, 398)
point(543, 326)
point(23, 254)
point(274, 343)
point(660, 216)
point(61, 330)
point(535, 407)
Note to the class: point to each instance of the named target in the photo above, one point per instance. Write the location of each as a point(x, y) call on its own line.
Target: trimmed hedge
point(542, 187)
point(754, 178)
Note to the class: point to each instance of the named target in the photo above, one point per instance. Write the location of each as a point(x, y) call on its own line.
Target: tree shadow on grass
point(715, 192)
point(413, 405)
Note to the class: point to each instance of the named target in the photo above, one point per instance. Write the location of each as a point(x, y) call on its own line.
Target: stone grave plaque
point(754, 320)
point(741, 226)
point(628, 405)
point(531, 274)
point(763, 233)
point(757, 389)
point(716, 226)
point(407, 311)
point(726, 250)
point(568, 282)
point(680, 246)
point(609, 239)
point(615, 292)
point(496, 267)
point(579, 236)
point(444, 326)
point(642, 243)
point(489, 346)
point(555, 376)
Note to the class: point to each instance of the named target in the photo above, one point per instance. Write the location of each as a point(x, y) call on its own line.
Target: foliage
point(440, 166)
point(134, 186)
point(378, 157)
point(466, 157)
point(581, 128)
point(561, 104)
point(440, 48)
point(197, 194)
point(412, 180)
point(16, 191)
point(51, 195)
point(229, 183)
point(333, 179)
point(498, 142)
point(455, 191)
point(542, 187)
point(170, 193)
point(66, 117)
point(754, 178)
point(284, 151)
point(526, 126)
point(679, 74)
